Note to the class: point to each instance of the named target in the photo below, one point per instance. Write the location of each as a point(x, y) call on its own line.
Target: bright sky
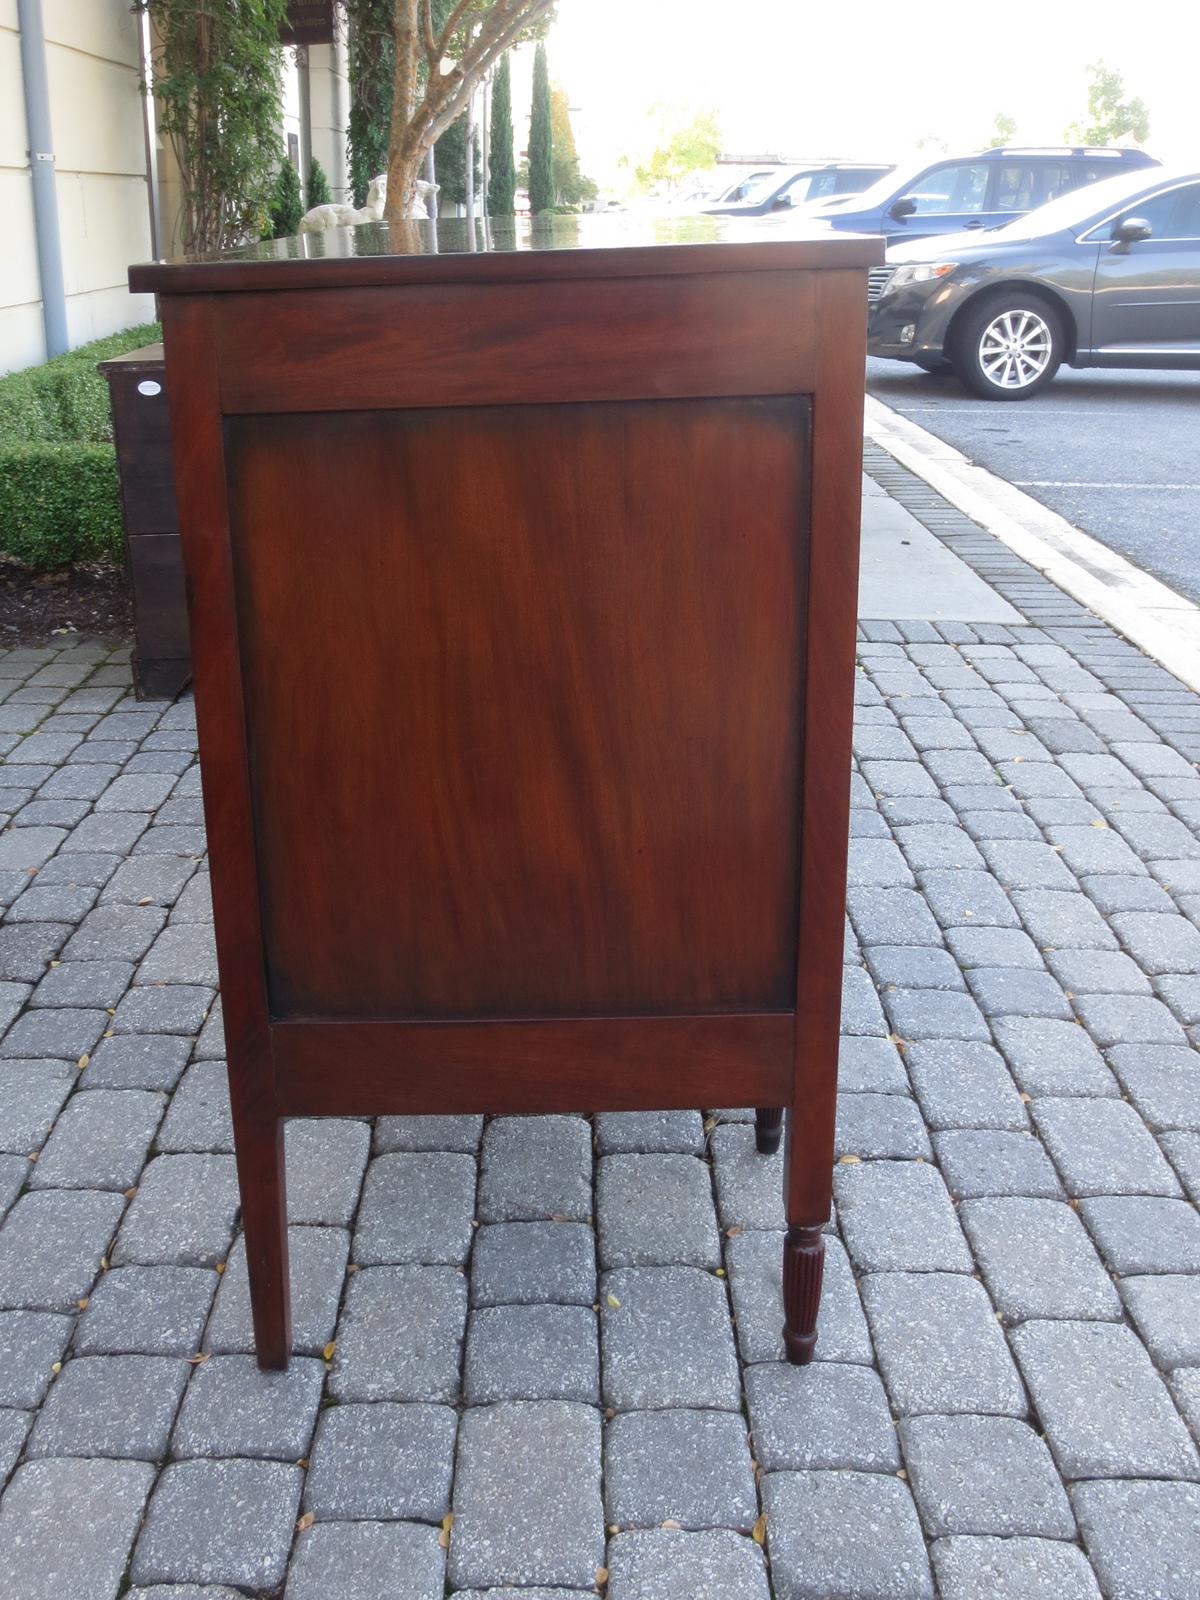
point(868, 79)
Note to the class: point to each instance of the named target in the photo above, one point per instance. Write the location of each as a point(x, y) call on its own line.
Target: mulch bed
point(48, 607)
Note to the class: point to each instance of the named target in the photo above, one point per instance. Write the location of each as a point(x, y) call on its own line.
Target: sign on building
point(308, 22)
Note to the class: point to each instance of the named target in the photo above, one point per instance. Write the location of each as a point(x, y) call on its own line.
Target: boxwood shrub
point(59, 494)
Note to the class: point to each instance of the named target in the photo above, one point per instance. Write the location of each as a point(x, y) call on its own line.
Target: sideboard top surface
point(452, 250)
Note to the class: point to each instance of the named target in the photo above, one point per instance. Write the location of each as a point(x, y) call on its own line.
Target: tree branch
point(432, 54)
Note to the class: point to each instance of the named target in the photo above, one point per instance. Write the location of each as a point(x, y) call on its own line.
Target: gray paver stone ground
point(978, 1162)
point(31, 1096)
point(666, 1340)
point(14, 1425)
point(880, 1127)
point(325, 1160)
point(1106, 1412)
point(382, 1461)
point(182, 1214)
point(816, 1527)
point(100, 1140)
point(30, 1343)
point(749, 1185)
point(1038, 1261)
point(233, 1409)
point(649, 1133)
point(1163, 1081)
point(1143, 1538)
point(316, 1267)
point(527, 1505)
point(827, 1415)
point(219, 1522)
point(672, 1564)
point(51, 1245)
point(367, 1561)
point(1102, 1147)
point(896, 1216)
point(400, 1335)
point(656, 1210)
point(868, 1065)
point(105, 1500)
point(461, 1133)
point(63, 1033)
point(934, 1014)
point(692, 1467)
point(138, 1061)
point(536, 1167)
point(83, 983)
point(1183, 1151)
point(1128, 1019)
point(416, 1209)
point(964, 1084)
point(146, 1311)
point(1166, 1312)
point(984, 1475)
point(110, 1406)
point(1139, 1233)
point(755, 1263)
point(199, 1118)
point(1018, 1569)
point(1048, 1057)
point(940, 1347)
point(532, 1353)
point(166, 1008)
point(528, 1263)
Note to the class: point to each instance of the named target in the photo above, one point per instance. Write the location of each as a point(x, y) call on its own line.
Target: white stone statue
point(321, 218)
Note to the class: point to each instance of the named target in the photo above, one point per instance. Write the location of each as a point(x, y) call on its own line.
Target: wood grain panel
point(523, 343)
point(523, 698)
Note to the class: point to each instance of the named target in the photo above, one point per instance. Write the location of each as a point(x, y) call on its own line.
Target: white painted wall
point(92, 64)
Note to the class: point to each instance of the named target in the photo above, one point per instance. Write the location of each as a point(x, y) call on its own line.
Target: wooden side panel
point(523, 692)
point(521, 343)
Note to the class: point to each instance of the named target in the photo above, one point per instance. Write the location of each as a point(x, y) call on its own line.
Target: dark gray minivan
point(1108, 276)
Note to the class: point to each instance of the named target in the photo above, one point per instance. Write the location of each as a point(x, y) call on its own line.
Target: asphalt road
point(1116, 453)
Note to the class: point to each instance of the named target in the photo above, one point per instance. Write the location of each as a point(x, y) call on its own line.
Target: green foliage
point(541, 138)
point(450, 164)
point(1110, 115)
point(217, 87)
point(692, 148)
point(371, 66)
point(286, 205)
point(318, 186)
point(1004, 127)
point(59, 503)
point(502, 176)
point(59, 495)
point(571, 188)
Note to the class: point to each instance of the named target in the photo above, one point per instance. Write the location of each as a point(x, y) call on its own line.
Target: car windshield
point(758, 187)
point(1079, 208)
point(889, 186)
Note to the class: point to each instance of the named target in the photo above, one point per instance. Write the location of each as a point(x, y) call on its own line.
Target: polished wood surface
point(153, 554)
point(524, 687)
point(576, 674)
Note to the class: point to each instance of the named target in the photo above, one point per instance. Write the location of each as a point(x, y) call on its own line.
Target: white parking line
point(1083, 483)
point(1162, 623)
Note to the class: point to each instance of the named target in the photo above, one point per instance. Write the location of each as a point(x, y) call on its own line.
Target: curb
point(1146, 612)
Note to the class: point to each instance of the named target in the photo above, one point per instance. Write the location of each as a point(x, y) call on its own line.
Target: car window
point(951, 188)
point(804, 186)
point(1173, 215)
point(1012, 187)
point(1053, 179)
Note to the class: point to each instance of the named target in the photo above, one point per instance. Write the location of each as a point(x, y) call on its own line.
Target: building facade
point(106, 183)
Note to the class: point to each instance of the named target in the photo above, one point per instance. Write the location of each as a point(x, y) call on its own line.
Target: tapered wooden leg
point(768, 1129)
point(258, 1138)
point(803, 1269)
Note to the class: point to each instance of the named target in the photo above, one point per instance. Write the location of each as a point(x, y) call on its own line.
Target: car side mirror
point(906, 206)
point(1131, 230)
point(782, 202)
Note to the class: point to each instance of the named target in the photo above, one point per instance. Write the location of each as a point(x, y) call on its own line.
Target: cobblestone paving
point(565, 1332)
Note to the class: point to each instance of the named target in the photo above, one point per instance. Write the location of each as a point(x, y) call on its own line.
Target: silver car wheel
point(1015, 349)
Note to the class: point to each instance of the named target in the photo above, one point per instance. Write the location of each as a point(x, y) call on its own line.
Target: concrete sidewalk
point(564, 1332)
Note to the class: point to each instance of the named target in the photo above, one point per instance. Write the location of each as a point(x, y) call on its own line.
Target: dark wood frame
point(781, 317)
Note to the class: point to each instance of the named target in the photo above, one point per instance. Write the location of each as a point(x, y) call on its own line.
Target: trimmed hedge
point(59, 492)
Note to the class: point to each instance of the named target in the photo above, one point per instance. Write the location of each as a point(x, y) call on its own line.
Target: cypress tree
point(502, 174)
point(318, 185)
point(285, 206)
point(541, 143)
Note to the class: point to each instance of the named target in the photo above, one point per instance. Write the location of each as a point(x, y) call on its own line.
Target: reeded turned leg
point(768, 1129)
point(803, 1270)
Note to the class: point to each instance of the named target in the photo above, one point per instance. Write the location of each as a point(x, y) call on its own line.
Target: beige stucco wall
point(92, 65)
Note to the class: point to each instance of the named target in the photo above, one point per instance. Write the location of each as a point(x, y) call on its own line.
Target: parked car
point(739, 189)
point(1107, 276)
point(984, 190)
point(797, 186)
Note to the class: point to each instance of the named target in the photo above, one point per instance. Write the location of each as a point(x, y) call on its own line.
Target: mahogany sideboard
point(161, 656)
point(522, 569)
